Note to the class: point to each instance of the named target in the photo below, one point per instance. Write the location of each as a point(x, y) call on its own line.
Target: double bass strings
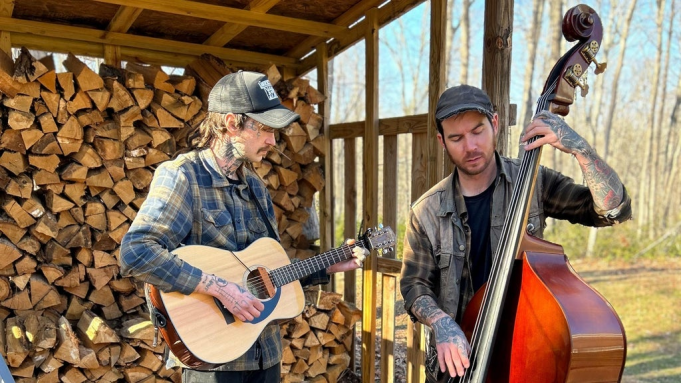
point(529, 158)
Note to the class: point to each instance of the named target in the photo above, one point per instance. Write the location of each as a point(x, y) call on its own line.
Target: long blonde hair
point(212, 127)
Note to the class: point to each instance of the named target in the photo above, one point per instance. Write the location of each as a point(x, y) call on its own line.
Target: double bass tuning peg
point(589, 53)
point(574, 76)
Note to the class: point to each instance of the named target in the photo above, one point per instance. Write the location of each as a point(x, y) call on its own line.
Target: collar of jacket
point(452, 199)
point(218, 179)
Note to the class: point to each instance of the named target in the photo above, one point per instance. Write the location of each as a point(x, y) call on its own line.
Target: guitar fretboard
point(297, 270)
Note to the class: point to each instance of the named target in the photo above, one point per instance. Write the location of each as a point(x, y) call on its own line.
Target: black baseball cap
point(252, 94)
point(462, 98)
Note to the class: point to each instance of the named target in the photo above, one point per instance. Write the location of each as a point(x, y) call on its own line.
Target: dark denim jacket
point(437, 240)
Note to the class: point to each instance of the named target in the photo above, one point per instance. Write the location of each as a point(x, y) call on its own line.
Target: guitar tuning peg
point(600, 67)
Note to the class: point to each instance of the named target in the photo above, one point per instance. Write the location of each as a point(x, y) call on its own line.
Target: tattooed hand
point(241, 303)
point(556, 132)
point(452, 346)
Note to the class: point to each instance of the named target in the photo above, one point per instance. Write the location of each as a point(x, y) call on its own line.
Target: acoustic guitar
point(203, 334)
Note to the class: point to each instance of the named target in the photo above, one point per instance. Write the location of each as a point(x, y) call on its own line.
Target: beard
point(463, 165)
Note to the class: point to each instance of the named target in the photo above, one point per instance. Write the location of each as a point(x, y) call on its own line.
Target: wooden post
point(325, 197)
point(350, 229)
point(6, 9)
point(416, 372)
point(112, 55)
point(388, 329)
point(496, 63)
point(390, 185)
point(370, 159)
point(436, 83)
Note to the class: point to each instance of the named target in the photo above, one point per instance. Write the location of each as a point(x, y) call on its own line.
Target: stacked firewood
point(317, 343)
point(77, 154)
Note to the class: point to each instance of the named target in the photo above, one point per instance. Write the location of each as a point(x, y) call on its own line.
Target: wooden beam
point(140, 42)
point(234, 15)
point(395, 9)
point(123, 19)
point(121, 22)
point(230, 30)
point(370, 187)
point(496, 63)
point(386, 127)
point(131, 54)
point(436, 84)
point(6, 10)
point(346, 19)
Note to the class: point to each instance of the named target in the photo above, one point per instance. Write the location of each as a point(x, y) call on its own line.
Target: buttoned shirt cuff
point(614, 213)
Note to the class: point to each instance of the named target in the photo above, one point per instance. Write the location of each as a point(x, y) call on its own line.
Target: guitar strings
point(526, 165)
point(302, 266)
point(260, 285)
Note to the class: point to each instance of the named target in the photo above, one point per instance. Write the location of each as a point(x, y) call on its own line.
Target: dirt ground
point(646, 294)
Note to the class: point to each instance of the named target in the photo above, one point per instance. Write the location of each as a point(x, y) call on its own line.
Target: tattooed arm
point(235, 298)
point(452, 346)
point(605, 185)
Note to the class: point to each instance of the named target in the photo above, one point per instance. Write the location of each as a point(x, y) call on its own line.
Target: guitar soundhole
point(259, 283)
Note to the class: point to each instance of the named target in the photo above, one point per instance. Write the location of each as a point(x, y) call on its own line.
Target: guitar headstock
point(381, 238)
point(582, 24)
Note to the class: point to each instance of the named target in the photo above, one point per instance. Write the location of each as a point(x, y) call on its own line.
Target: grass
point(647, 296)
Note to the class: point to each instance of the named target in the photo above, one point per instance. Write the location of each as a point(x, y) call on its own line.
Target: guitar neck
point(297, 270)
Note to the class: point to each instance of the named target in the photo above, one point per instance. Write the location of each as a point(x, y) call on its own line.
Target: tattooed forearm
point(605, 186)
point(426, 311)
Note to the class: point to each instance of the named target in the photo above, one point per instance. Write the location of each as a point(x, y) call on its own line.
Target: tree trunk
point(532, 39)
point(652, 143)
point(465, 40)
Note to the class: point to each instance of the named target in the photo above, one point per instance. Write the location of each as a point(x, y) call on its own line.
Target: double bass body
point(555, 327)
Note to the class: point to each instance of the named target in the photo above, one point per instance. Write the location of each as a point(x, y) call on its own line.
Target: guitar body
point(202, 335)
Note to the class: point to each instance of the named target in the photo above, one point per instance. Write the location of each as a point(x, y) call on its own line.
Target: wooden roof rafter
point(135, 41)
point(123, 19)
point(388, 12)
point(234, 15)
point(230, 30)
point(344, 20)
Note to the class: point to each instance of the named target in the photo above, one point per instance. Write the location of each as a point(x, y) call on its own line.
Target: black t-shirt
point(479, 211)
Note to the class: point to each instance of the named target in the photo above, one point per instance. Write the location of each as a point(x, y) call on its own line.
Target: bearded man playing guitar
point(211, 196)
point(454, 227)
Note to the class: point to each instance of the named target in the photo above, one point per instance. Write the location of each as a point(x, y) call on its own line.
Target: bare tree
point(530, 53)
point(465, 40)
point(651, 146)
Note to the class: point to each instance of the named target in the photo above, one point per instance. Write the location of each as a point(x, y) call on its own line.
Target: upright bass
point(536, 320)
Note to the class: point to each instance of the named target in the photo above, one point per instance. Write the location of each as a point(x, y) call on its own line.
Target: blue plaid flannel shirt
point(191, 202)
